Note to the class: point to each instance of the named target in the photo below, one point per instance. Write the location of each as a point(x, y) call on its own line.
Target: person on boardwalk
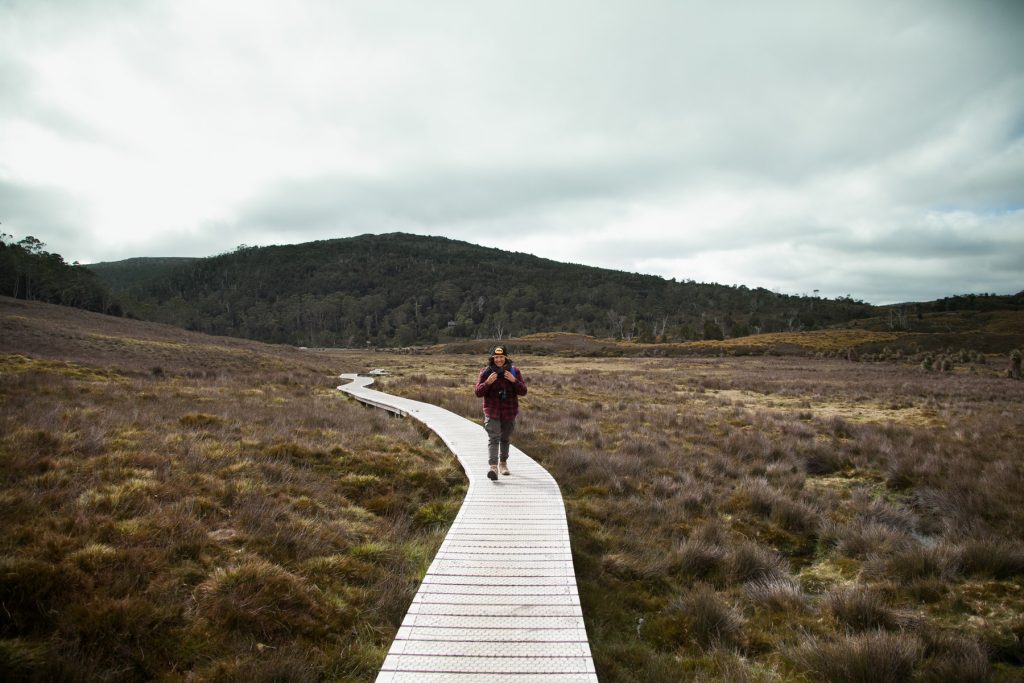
point(500, 385)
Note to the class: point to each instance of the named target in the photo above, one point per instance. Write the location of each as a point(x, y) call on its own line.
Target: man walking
point(500, 385)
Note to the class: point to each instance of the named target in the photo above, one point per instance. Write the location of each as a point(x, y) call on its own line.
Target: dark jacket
point(500, 399)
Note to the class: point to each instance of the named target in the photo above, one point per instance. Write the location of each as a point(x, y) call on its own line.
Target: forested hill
point(138, 272)
point(28, 271)
point(400, 289)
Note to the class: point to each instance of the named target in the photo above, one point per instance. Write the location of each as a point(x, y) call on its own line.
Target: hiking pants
point(498, 434)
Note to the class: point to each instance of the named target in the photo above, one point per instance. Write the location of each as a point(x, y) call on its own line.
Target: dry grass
point(182, 507)
point(874, 657)
point(751, 518)
point(815, 500)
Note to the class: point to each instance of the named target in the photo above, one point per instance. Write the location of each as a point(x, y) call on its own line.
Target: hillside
point(138, 272)
point(398, 290)
point(29, 272)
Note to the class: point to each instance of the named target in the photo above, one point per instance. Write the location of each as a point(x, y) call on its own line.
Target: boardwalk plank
point(499, 602)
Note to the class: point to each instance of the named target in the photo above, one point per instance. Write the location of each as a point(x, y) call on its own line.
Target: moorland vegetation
point(759, 508)
point(778, 518)
point(183, 507)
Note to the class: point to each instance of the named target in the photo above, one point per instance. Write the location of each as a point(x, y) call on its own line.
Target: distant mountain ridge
point(401, 289)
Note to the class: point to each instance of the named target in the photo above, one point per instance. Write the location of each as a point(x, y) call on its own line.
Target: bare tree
point(616, 322)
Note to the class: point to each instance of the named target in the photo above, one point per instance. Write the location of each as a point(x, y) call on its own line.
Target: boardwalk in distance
point(499, 602)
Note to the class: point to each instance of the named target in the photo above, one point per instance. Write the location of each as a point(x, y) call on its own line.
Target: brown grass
point(814, 500)
point(874, 657)
point(230, 516)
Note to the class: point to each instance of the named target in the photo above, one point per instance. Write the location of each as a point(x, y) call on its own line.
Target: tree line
point(28, 271)
point(400, 290)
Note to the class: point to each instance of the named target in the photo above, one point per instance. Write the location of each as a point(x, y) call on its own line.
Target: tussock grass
point(996, 558)
point(950, 657)
point(873, 657)
point(710, 622)
point(230, 517)
point(859, 608)
point(699, 616)
point(262, 599)
point(748, 561)
point(777, 594)
point(835, 513)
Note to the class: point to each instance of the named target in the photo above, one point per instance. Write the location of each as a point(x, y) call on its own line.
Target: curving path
point(499, 602)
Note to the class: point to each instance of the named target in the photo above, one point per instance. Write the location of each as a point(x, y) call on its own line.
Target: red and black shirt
point(501, 399)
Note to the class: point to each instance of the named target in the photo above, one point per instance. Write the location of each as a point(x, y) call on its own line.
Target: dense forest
point(28, 271)
point(400, 289)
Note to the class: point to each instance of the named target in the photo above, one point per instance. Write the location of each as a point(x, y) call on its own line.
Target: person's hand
point(492, 378)
point(509, 376)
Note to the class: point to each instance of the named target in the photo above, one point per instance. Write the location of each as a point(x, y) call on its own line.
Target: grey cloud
point(923, 244)
point(565, 117)
point(443, 197)
point(47, 213)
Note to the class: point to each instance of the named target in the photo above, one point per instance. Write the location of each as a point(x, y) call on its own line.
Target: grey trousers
point(498, 434)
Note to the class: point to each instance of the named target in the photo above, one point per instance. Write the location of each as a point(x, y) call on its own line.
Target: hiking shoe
point(503, 468)
point(492, 473)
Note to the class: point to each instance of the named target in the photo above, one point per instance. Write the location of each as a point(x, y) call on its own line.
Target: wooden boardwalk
point(499, 602)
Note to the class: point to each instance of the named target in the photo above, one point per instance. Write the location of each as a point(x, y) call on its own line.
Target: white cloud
point(870, 150)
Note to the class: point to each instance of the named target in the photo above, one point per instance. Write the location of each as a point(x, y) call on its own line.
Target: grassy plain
point(779, 519)
point(183, 507)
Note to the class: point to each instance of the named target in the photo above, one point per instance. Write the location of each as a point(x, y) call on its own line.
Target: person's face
point(499, 361)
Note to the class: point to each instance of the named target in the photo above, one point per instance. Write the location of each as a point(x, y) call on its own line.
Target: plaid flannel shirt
point(495, 407)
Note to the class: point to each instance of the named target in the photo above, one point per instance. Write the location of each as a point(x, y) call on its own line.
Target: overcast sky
point(870, 148)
